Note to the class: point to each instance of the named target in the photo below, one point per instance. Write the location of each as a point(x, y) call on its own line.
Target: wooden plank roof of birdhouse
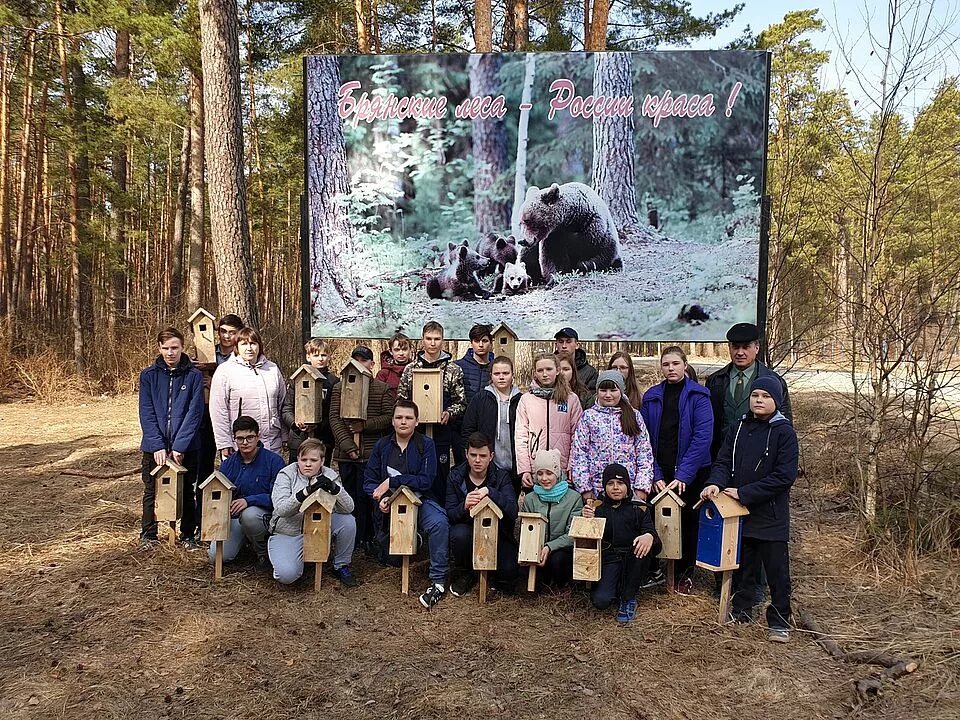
point(309, 369)
point(504, 327)
point(173, 465)
point(665, 493)
point(406, 492)
point(531, 516)
point(357, 366)
point(726, 506)
point(200, 311)
point(223, 479)
point(587, 528)
point(319, 497)
point(486, 503)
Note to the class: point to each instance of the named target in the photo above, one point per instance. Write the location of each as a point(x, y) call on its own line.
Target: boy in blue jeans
point(406, 457)
point(757, 465)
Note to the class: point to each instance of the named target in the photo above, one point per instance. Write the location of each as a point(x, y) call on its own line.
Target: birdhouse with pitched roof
point(427, 393)
point(354, 391)
point(307, 387)
point(404, 509)
point(721, 527)
point(168, 498)
point(587, 534)
point(203, 325)
point(486, 524)
point(217, 496)
point(666, 517)
point(504, 340)
point(317, 526)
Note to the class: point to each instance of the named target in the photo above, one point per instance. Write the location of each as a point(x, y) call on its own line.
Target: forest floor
point(92, 627)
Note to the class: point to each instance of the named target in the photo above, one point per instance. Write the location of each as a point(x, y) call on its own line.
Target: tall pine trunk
point(197, 196)
point(491, 214)
point(483, 27)
point(118, 214)
point(180, 224)
point(223, 141)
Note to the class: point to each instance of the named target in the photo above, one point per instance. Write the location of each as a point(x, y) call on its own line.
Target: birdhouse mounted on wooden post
point(428, 393)
point(317, 530)
point(354, 391)
point(307, 387)
point(203, 326)
point(486, 529)
point(533, 530)
point(215, 520)
point(587, 534)
point(168, 497)
point(667, 507)
point(504, 340)
point(404, 510)
point(718, 541)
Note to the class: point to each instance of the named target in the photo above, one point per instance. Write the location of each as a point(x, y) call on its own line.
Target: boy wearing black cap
point(757, 465)
point(729, 386)
point(567, 345)
point(351, 457)
point(629, 544)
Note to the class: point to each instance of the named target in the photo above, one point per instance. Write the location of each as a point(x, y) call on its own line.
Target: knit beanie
point(614, 376)
point(547, 460)
point(771, 385)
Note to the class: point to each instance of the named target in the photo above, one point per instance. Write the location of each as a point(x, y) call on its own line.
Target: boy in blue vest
point(757, 465)
point(171, 410)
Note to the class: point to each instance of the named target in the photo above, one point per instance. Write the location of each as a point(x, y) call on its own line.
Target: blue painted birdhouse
point(721, 525)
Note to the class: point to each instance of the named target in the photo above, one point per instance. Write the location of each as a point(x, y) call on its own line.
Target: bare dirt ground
point(92, 628)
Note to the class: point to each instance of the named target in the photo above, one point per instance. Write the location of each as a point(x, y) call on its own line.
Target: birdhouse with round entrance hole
point(354, 391)
point(317, 512)
point(427, 393)
point(666, 517)
point(404, 509)
point(308, 388)
point(203, 325)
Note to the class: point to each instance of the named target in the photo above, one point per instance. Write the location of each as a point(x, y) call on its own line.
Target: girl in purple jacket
point(679, 417)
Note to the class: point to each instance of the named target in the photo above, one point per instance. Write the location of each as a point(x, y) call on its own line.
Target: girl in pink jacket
point(546, 417)
point(611, 431)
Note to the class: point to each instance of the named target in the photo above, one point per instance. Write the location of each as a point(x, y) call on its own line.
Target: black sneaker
point(432, 596)
point(346, 578)
point(463, 584)
point(190, 543)
point(656, 577)
point(148, 543)
point(263, 565)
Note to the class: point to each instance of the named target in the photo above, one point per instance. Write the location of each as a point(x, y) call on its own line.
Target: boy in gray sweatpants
point(294, 484)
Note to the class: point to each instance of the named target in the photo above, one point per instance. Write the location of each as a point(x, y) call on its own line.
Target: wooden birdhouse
point(217, 496)
point(587, 534)
point(203, 325)
point(317, 529)
point(504, 340)
point(428, 393)
point(215, 520)
point(307, 387)
point(486, 529)
point(168, 494)
point(718, 541)
point(404, 509)
point(354, 391)
point(533, 530)
point(666, 516)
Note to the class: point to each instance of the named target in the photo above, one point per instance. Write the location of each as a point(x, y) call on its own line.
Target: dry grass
point(90, 627)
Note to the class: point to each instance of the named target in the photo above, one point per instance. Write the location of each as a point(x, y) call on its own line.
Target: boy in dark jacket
point(171, 410)
point(318, 356)
point(493, 412)
point(475, 365)
point(757, 465)
point(393, 361)
point(406, 457)
point(467, 485)
point(629, 544)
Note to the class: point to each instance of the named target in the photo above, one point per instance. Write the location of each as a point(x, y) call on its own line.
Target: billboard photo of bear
point(618, 193)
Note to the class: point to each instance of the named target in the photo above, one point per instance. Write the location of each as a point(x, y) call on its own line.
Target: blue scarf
point(554, 494)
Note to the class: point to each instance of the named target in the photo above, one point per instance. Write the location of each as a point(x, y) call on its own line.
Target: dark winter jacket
point(475, 376)
point(483, 415)
point(498, 483)
point(390, 371)
point(696, 428)
point(585, 371)
point(421, 463)
point(719, 384)
point(254, 481)
point(322, 431)
point(625, 521)
point(760, 459)
point(379, 415)
point(171, 406)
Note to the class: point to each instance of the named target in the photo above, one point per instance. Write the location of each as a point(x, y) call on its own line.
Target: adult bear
point(573, 227)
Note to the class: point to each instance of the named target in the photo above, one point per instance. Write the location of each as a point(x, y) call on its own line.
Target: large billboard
point(617, 193)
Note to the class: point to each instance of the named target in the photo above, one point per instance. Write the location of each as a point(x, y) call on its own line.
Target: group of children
point(577, 442)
